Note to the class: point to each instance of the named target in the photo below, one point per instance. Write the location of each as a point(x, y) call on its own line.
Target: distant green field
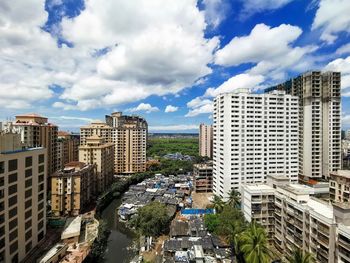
point(162, 146)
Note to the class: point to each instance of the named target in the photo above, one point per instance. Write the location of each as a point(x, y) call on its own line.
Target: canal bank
point(120, 241)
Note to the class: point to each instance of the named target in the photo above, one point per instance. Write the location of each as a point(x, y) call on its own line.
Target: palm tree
point(254, 244)
point(299, 256)
point(217, 203)
point(234, 198)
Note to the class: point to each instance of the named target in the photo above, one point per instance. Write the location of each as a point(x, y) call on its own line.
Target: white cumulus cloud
point(332, 17)
point(148, 108)
point(269, 48)
point(342, 65)
point(170, 108)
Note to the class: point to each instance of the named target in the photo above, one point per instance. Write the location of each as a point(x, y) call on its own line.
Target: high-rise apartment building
point(22, 197)
point(98, 128)
point(255, 135)
point(100, 153)
point(72, 188)
point(129, 136)
point(36, 131)
point(130, 139)
point(67, 148)
point(319, 121)
point(206, 140)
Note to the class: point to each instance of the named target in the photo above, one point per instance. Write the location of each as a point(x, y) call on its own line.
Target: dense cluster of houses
point(173, 191)
point(178, 156)
point(191, 242)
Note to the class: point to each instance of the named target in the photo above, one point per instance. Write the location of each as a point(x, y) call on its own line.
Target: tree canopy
point(152, 219)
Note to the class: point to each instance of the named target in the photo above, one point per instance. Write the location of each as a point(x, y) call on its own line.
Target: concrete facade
point(319, 122)
point(72, 188)
point(255, 135)
point(203, 177)
point(129, 136)
point(23, 174)
point(96, 151)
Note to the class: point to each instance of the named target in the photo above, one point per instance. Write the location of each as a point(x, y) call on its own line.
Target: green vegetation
point(299, 256)
point(99, 246)
point(158, 147)
point(152, 219)
point(249, 242)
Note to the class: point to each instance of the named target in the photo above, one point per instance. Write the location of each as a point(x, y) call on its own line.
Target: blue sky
point(75, 61)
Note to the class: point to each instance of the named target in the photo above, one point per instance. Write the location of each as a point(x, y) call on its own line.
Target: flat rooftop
point(72, 228)
point(298, 189)
point(258, 187)
point(52, 252)
point(321, 207)
point(343, 173)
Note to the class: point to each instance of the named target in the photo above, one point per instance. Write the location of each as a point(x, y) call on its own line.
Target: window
point(28, 193)
point(28, 173)
point(28, 246)
point(13, 224)
point(41, 205)
point(13, 165)
point(28, 183)
point(28, 224)
point(28, 234)
point(12, 200)
point(12, 178)
point(12, 189)
point(28, 203)
point(41, 168)
point(41, 215)
point(13, 212)
point(41, 178)
point(13, 247)
point(41, 236)
point(41, 158)
point(13, 235)
point(2, 167)
point(29, 161)
point(28, 214)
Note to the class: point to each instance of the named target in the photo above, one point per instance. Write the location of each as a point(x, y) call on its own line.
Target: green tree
point(254, 244)
point(299, 256)
point(152, 219)
point(234, 198)
point(211, 222)
point(99, 246)
point(217, 203)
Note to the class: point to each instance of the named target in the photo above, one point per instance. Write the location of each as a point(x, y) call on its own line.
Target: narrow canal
point(120, 240)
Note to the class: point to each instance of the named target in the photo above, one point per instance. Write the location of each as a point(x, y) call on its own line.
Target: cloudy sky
point(75, 61)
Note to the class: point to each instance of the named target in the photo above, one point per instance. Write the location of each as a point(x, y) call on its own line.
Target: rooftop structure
point(71, 230)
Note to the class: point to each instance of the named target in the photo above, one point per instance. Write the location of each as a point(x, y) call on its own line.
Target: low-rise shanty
point(190, 242)
point(161, 189)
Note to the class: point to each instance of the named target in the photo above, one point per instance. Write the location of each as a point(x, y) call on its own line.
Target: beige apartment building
point(67, 148)
point(36, 131)
point(72, 188)
point(339, 186)
point(100, 153)
point(23, 175)
point(206, 140)
point(299, 220)
point(129, 136)
point(319, 121)
point(203, 177)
